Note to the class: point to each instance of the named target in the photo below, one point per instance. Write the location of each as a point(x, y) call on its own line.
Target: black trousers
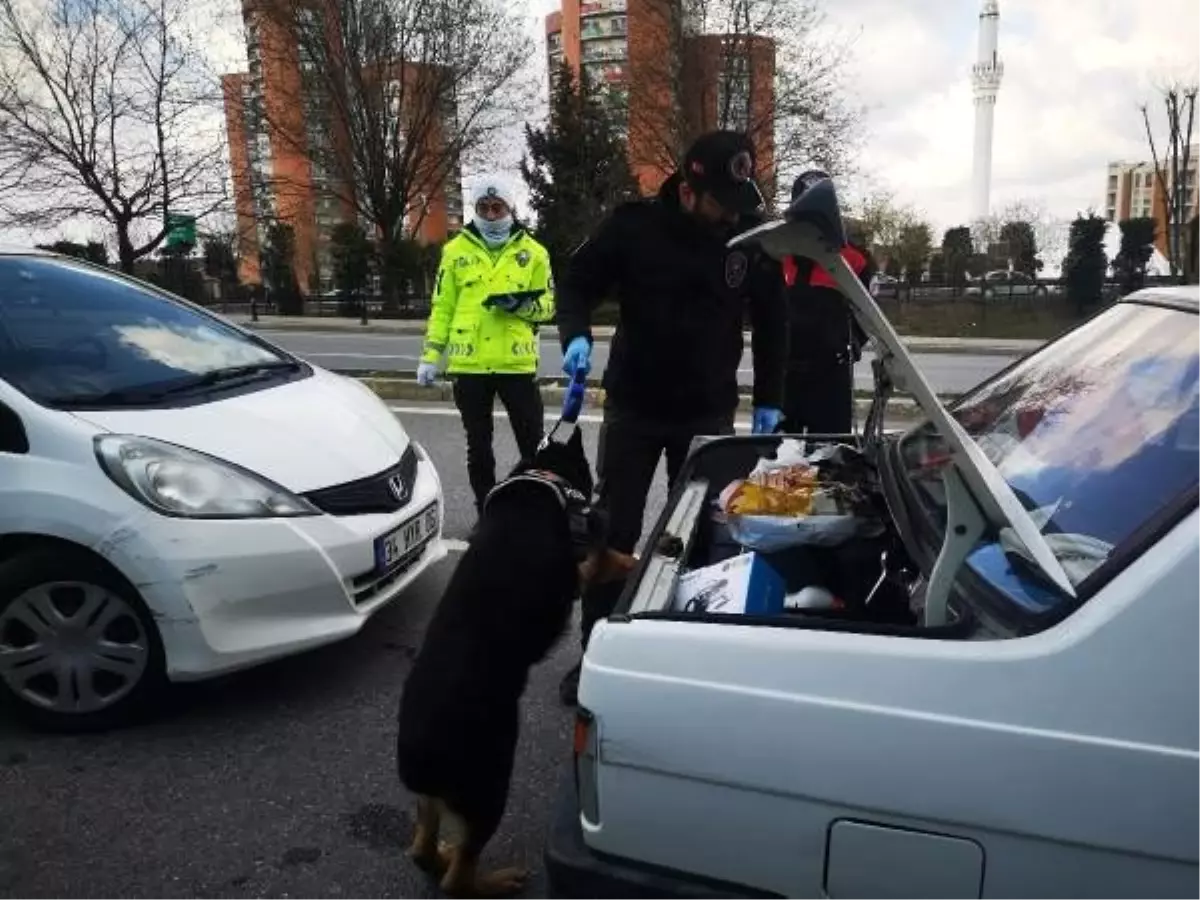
point(818, 397)
point(475, 397)
point(631, 445)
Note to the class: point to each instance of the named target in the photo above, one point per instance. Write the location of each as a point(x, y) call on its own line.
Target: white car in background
point(179, 498)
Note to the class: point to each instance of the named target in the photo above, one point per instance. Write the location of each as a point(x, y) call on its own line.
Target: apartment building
point(669, 81)
point(1134, 192)
point(283, 134)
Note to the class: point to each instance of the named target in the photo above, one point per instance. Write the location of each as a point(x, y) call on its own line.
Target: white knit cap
point(492, 186)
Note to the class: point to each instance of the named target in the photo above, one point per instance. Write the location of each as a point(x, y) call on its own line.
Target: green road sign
point(181, 230)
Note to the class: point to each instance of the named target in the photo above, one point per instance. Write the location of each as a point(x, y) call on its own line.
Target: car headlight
point(176, 481)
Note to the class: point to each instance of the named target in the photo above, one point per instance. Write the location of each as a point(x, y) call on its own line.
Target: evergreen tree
point(92, 251)
point(1086, 262)
point(1137, 246)
point(278, 264)
point(957, 250)
point(1019, 238)
point(352, 254)
point(937, 267)
point(577, 168)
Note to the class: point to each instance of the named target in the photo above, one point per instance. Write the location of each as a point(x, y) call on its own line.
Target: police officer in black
point(825, 338)
point(673, 364)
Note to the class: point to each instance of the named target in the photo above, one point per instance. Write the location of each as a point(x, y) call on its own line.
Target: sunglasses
point(491, 207)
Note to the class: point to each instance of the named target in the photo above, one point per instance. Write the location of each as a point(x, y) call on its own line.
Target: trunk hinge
point(964, 528)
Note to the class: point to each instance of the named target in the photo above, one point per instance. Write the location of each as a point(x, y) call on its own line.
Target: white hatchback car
point(179, 498)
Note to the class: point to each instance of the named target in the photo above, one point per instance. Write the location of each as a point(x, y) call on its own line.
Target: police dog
point(505, 606)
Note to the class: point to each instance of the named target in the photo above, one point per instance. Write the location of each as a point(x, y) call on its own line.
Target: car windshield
point(72, 334)
point(1097, 435)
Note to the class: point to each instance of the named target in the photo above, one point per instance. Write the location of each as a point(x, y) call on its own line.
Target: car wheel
point(988, 294)
point(78, 649)
point(1040, 291)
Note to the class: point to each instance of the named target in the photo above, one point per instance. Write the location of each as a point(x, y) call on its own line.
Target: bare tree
point(105, 113)
point(1173, 172)
point(394, 95)
point(770, 68)
point(881, 221)
point(1049, 231)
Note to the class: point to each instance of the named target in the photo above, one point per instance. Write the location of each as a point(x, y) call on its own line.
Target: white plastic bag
point(810, 512)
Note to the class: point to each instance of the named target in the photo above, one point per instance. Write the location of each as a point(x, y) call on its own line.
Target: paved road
point(276, 782)
point(949, 372)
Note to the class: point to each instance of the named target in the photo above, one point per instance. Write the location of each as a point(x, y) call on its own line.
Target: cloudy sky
point(1075, 72)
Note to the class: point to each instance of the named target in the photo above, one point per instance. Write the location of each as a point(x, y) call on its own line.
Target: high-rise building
point(669, 81)
point(1135, 192)
point(986, 76)
point(284, 132)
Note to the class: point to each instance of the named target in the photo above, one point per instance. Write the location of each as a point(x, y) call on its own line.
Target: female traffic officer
point(493, 290)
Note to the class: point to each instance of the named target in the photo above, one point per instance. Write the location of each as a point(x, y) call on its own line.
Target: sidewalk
point(976, 346)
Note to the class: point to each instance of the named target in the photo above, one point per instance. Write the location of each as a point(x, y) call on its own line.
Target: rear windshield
point(69, 331)
point(1098, 434)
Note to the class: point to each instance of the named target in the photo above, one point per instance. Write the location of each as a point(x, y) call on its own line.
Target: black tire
point(45, 564)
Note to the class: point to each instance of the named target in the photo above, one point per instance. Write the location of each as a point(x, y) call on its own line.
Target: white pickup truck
point(1005, 701)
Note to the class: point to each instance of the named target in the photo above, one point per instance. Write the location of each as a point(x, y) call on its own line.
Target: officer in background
point(494, 288)
point(825, 339)
point(673, 362)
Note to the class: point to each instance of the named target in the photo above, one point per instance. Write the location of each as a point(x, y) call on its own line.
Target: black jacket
point(822, 329)
point(683, 296)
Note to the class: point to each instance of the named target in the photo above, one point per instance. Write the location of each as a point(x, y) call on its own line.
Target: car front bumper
point(227, 595)
point(573, 870)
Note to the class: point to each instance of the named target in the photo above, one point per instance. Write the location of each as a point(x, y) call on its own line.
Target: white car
point(1004, 284)
point(998, 696)
point(179, 498)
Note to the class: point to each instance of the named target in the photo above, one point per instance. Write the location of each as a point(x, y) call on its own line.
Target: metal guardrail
point(326, 308)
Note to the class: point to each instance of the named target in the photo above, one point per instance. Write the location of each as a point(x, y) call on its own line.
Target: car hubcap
point(71, 647)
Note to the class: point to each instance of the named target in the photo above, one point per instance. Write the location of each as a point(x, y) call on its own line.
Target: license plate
point(393, 547)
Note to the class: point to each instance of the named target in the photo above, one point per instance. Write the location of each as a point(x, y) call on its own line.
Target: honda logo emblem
point(397, 489)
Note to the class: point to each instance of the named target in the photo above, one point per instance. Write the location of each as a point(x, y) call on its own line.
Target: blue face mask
point(497, 232)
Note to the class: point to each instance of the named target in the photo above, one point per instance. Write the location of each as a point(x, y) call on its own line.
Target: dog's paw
point(434, 862)
point(501, 883)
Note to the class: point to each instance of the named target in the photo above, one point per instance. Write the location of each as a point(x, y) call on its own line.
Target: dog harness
point(585, 521)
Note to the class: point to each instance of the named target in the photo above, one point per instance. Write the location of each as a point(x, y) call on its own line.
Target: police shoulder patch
point(736, 265)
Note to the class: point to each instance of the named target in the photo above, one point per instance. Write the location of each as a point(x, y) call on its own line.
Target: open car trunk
point(852, 568)
point(809, 535)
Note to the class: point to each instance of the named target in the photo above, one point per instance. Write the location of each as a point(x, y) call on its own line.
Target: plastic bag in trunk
point(800, 498)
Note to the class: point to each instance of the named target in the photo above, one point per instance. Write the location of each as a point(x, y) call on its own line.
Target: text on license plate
point(392, 548)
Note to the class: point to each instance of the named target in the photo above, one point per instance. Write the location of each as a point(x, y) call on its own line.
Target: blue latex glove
point(427, 374)
point(578, 357)
point(573, 401)
point(765, 420)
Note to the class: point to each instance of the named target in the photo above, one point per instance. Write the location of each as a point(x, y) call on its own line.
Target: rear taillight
point(586, 765)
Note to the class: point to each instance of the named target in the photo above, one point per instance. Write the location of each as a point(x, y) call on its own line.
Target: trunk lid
point(980, 498)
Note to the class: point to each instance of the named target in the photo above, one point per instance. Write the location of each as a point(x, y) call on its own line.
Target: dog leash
point(572, 407)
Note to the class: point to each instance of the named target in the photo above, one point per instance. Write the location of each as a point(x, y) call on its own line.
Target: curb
point(552, 397)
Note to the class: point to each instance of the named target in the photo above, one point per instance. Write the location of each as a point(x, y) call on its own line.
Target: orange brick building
point(672, 82)
point(279, 135)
